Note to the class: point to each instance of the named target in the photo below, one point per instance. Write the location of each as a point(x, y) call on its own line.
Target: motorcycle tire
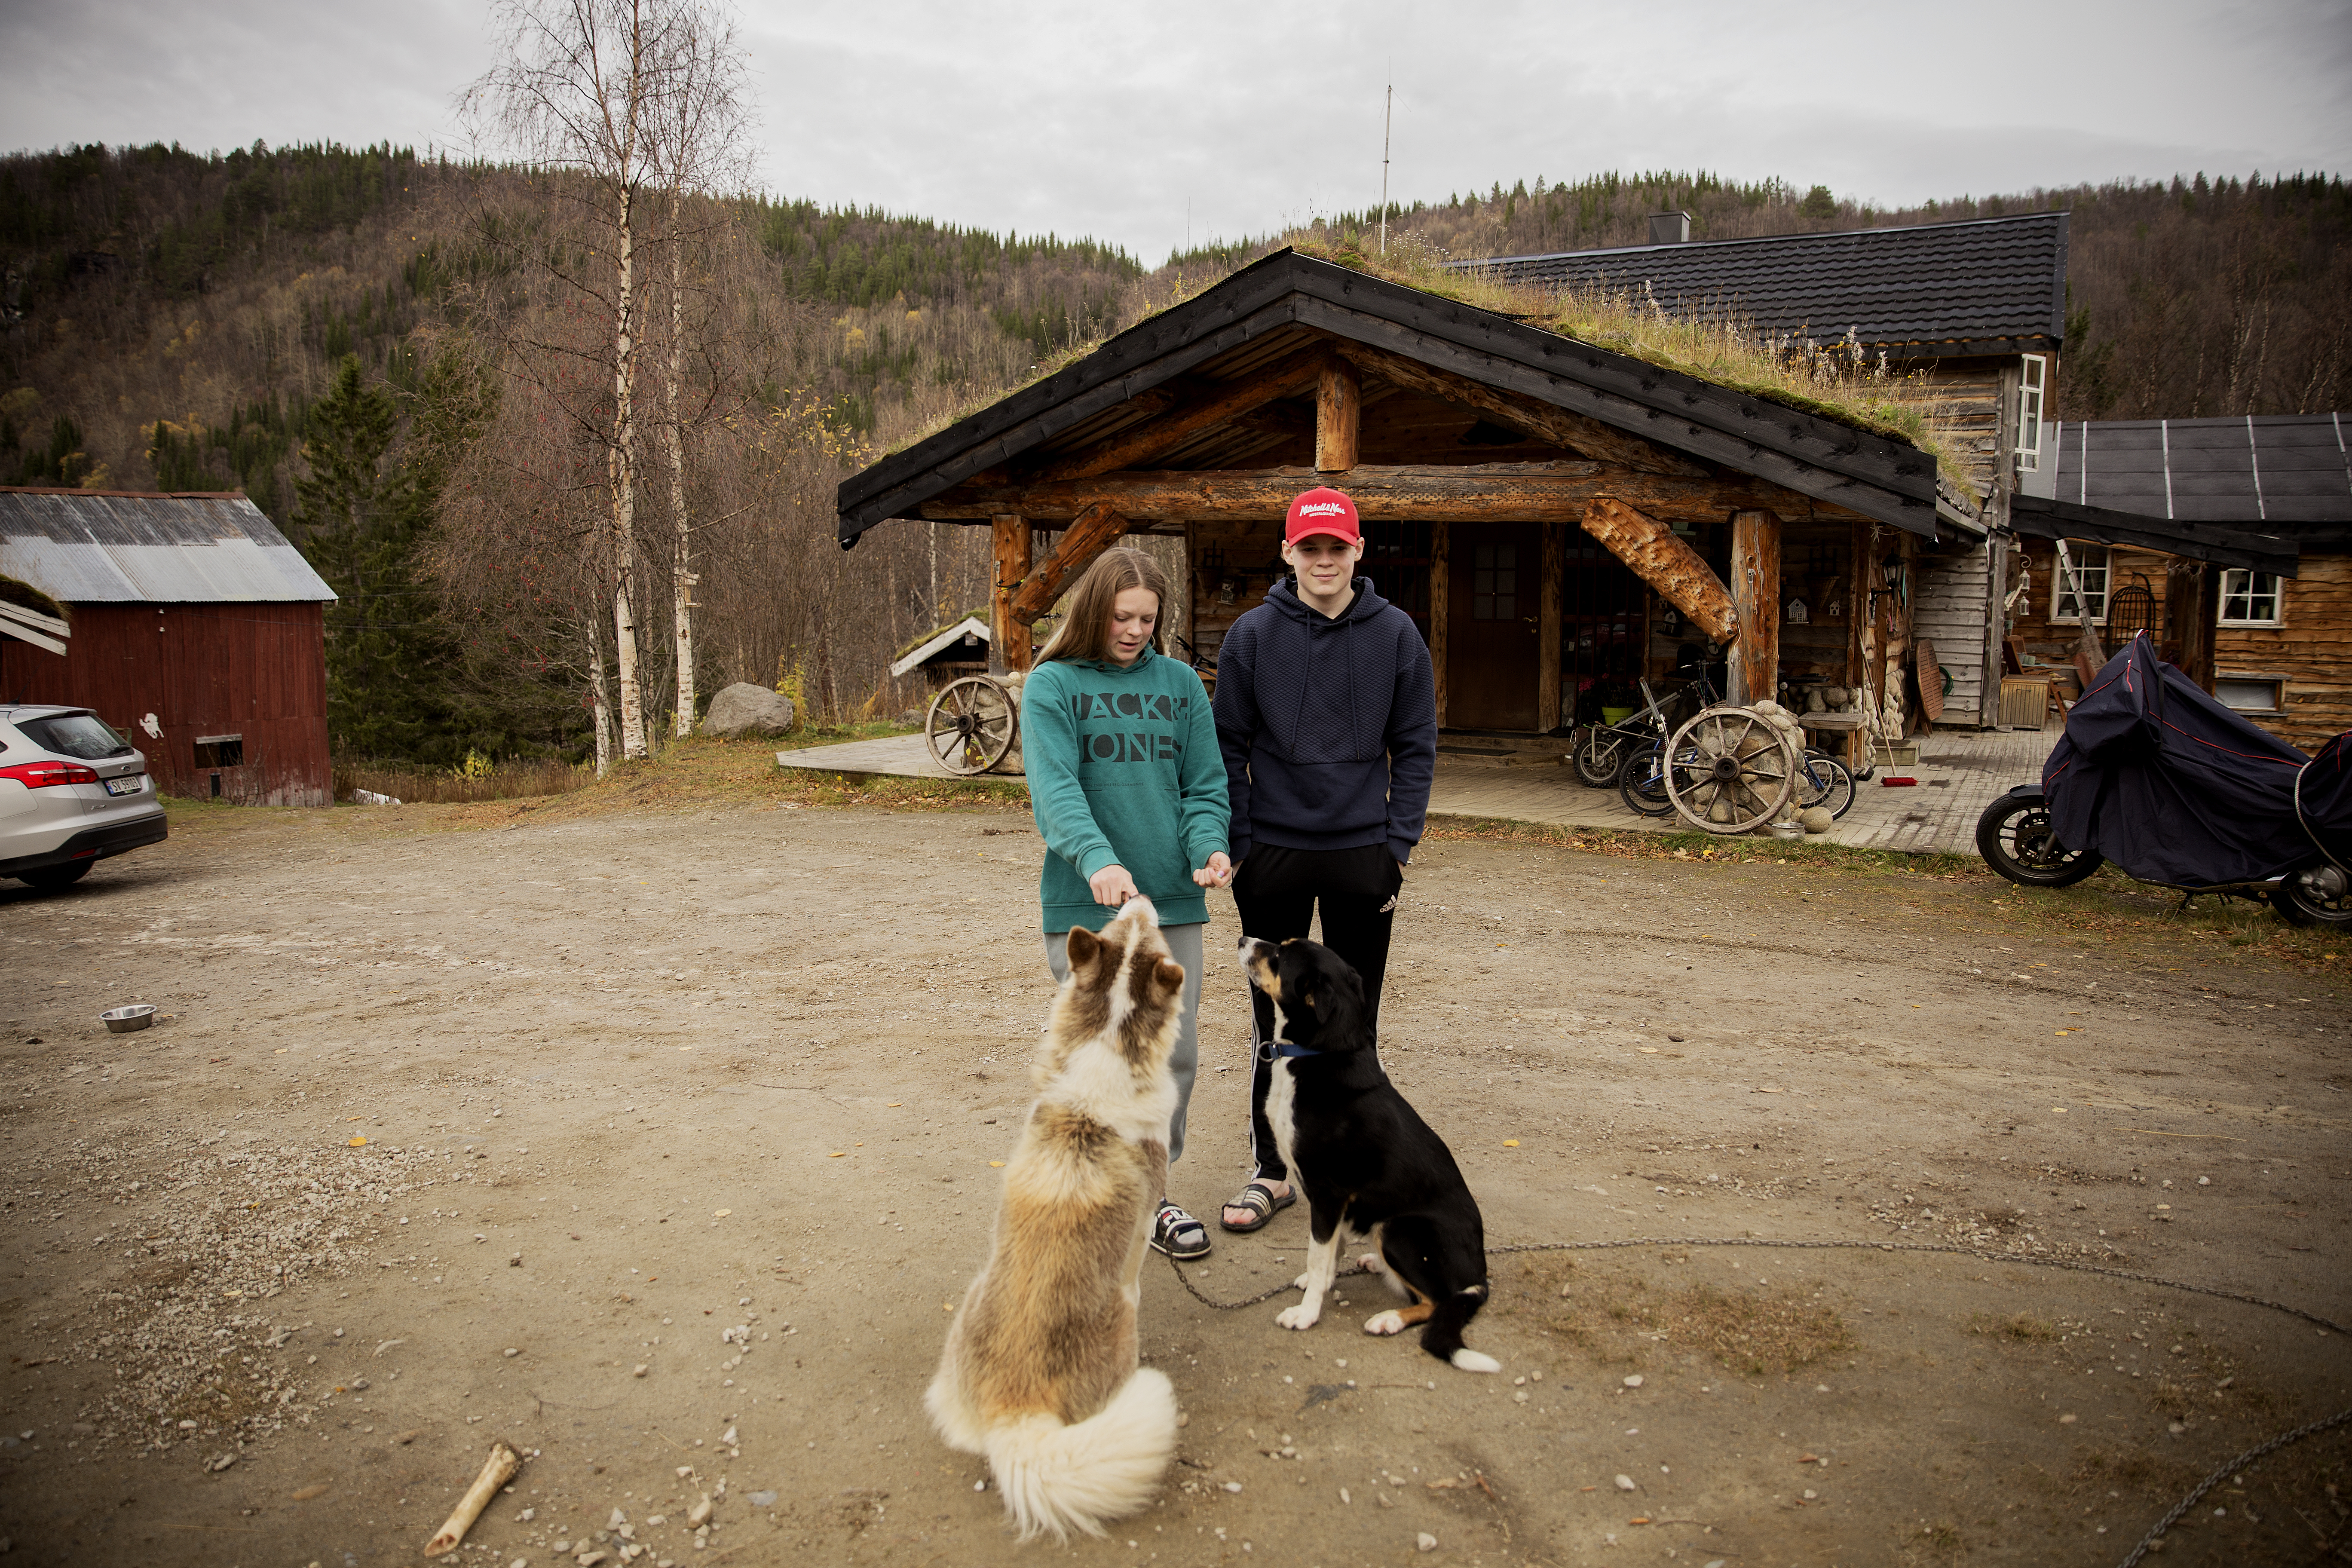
point(2299, 903)
point(2013, 835)
point(1642, 782)
point(1598, 758)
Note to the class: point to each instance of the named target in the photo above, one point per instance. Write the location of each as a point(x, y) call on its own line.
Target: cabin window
point(2090, 562)
point(219, 751)
point(1495, 583)
point(2033, 376)
point(2249, 598)
point(2250, 693)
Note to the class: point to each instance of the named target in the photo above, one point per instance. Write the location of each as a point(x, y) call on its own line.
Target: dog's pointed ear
point(1083, 947)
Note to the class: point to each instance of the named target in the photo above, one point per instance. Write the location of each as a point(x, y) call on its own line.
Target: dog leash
point(2147, 1542)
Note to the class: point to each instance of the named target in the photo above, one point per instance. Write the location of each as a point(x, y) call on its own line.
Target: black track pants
point(1276, 893)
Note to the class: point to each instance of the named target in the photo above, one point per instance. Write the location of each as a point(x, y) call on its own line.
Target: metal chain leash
point(2147, 1542)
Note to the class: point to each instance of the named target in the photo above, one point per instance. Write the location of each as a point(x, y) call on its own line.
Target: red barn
point(197, 631)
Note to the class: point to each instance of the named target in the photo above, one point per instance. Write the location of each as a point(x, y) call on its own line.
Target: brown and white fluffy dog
point(1040, 1372)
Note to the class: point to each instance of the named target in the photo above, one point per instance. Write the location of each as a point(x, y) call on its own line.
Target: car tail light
point(41, 775)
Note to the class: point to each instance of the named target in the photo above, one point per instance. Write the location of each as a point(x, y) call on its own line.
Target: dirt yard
point(658, 1143)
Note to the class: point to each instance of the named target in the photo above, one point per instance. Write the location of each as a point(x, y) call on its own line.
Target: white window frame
point(2032, 389)
point(2061, 590)
point(2238, 583)
point(2225, 685)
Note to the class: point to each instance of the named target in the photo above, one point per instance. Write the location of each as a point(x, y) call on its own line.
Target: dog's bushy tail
point(1057, 1478)
point(1442, 1338)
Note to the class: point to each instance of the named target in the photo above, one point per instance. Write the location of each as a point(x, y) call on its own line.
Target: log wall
point(2310, 648)
point(1950, 611)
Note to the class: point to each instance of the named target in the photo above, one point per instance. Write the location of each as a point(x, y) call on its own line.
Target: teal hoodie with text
point(1123, 769)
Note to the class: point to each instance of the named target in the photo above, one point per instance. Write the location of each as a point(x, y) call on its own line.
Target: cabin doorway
point(1491, 624)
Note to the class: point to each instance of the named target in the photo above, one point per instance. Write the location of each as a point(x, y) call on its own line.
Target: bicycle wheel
point(1825, 782)
point(1642, 782)
point(1599, 757)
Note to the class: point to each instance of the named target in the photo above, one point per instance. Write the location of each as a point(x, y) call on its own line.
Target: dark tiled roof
point(1993, 286)
point(2282, 472)
point(92, 547)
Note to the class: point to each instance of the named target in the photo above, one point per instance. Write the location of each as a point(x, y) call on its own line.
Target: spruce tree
point(359, 518)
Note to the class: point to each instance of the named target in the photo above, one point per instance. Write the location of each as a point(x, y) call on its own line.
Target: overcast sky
point(1230, 117)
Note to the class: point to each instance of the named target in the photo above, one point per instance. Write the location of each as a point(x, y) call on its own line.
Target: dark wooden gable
point(1227, 383)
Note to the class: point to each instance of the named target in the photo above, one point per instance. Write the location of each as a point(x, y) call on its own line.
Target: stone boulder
point(743, 710)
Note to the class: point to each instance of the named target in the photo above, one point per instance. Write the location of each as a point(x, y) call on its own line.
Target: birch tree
point(579, 93)
point(699, 149)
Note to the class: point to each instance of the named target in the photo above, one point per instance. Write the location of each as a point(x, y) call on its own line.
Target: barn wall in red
point(257, 671)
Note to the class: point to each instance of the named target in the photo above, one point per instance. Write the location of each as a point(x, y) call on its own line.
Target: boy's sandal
point(1263, 1205)
point(1177, 1233)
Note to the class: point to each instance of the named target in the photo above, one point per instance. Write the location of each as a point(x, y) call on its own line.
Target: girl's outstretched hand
point(1217, 873)
point(1113, 885)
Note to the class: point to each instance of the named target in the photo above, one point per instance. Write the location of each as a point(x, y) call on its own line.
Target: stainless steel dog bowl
point(122, 1020)
point(1784, 830)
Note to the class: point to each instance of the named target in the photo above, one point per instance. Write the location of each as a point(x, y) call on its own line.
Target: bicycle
point(1825, 782)
point(1601, 754)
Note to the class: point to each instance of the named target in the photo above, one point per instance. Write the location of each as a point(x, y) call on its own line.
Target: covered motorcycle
point(2176, 788)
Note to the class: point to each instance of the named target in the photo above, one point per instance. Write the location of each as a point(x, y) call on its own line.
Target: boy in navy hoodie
point(1326, 713)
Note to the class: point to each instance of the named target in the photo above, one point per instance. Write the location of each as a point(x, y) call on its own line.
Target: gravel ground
point(658, 1144)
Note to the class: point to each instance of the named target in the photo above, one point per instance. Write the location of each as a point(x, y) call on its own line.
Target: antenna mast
point(1388, 117)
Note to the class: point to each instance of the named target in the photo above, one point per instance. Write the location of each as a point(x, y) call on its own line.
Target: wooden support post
point(1441, 595)
point(1666, 564)
point(1338, 412)
point(1008, 636)
point(1548, 629)
point(1857, 741)
point(1096, 530)
point(1754, 673)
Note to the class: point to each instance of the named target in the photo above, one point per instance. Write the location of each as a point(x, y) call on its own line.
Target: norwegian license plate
point(125, 785)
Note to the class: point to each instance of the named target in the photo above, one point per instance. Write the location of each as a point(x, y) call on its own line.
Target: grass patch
point(514, 780)
point(2019, 1327)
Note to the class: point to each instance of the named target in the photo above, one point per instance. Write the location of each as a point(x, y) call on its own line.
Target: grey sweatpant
point(1185, 1061)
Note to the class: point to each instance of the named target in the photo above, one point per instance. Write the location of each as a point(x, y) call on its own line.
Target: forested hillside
point(383, 351)
point(175, 320)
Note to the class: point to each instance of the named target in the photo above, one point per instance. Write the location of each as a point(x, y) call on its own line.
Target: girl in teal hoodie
point(1128, 791)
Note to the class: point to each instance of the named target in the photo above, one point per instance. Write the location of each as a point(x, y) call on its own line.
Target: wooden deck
point(1959, 774)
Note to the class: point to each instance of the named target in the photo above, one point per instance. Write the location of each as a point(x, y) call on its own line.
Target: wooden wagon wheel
point(971, 725)
point(1730, 770)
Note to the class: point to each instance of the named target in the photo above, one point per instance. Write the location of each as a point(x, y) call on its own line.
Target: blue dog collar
point(1285, 1048)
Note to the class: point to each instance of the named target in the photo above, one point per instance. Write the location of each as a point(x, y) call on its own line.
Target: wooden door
point(1491, 625)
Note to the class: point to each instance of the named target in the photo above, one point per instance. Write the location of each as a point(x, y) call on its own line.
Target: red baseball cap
point(1322, 511)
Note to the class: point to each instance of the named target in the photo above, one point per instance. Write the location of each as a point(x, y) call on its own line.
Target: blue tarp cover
point(2174, 788)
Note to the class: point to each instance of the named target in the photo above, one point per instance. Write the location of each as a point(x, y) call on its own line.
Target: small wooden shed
point(1548, 512)
point(197, 631)
point(947, 654)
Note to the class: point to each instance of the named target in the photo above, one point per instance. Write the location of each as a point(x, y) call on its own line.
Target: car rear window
point(83, 735)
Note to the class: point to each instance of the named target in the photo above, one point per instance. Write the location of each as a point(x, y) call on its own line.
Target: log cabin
point(1554, 516)
point(1970, 316)
point(2266, 626)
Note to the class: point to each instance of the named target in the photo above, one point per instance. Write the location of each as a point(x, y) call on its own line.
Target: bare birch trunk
point(624, 479)
point(603, 702)
point(682, 574)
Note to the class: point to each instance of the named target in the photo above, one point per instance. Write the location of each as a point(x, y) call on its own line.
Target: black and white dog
point(1370, 1165)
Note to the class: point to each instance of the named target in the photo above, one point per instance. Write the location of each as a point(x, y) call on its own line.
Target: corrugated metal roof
point(2278, 471)
point(84, 547)
point(1993, 285)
